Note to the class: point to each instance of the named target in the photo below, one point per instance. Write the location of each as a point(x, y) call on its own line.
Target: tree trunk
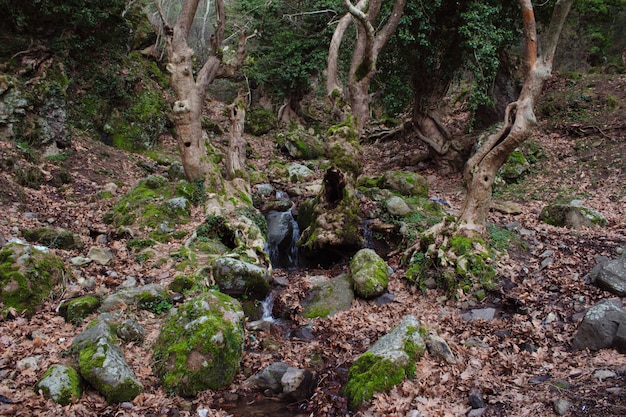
point(364, 56)
point(236, 157)
point(482, 168)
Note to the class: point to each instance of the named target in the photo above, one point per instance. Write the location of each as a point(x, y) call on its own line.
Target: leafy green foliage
point(445, 37)
point(292, 42)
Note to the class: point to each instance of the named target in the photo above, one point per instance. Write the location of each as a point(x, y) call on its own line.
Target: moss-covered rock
point(102, 364)
point(151, 297)
point(301, 144)
point(155, 205)
point(369, 274)
point(405, 183)
point(27, 276)
point(60, 383)
point(53, 238)
point(75, 310)
point(571, 215)
point(237, 278)
point(200, 345)
point(515, 166)
point(181, 283)
point(386, 363)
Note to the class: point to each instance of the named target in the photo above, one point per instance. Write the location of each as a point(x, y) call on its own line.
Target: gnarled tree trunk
point(363, 64)
point(191, 91)
point(483, 166)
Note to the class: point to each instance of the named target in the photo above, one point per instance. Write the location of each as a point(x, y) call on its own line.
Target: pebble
point(477, 412)
point(476, 398)
point(28, 363)
point(561, 406)
point(127, 405)
point(602, 374)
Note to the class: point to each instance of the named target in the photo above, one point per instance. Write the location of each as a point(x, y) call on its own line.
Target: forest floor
point(521, 361)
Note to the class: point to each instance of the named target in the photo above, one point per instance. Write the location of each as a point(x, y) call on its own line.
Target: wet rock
point(60, 383)
point(603, 326)
point(236, 278)
point(476, 399)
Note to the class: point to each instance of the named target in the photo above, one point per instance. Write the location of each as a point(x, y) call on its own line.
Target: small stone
point(619, 250)
point(476, 398)
point(474, 341)
point(100, 256)
point(127, 405)
point(546, 254)
point(386, 298)
point(551, 318)
point(561, 406)
point(546, 262)
point(439, 348)
point(80, 260)
point(480, 314)
point(513, 226)
point(30, 362)
point(602, 374)
point(477, 412)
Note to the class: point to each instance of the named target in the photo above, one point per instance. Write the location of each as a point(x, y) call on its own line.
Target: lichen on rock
point(60, 383)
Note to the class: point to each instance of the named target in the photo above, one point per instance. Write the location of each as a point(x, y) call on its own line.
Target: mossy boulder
point(53, 238)
point(329, 297)
point(369, 274)
point(301, 144)
point(155, 205)
point(515, 167)
point(238, 278)
point(60, 383)
point(102, 364)
point(200, 345)
point(386, 363)
point(75, 310)
point(151, 297)
point(572, 215)
point(405, 183)
point(28, 276)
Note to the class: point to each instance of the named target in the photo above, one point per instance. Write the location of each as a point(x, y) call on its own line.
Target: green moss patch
point(200, 345)
point(26, 284)
point(368, 375)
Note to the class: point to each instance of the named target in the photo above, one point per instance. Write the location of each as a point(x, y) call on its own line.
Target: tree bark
point(481, 169)
point(364, 56)
point(191, 92)
point(236, 158)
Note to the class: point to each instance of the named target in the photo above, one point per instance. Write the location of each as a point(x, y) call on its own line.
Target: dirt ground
point(521, 361)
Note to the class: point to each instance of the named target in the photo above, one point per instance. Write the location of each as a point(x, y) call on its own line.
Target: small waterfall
point(282, 236)
point(268, 305)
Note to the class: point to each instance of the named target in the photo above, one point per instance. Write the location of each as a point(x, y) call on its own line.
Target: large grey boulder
point(236, 278)
point(330, 297)
point(102, 364)
point(386, 363)
point(611, 275)
point(60, 383)
point(200, 344)
point(603, 326)
point(370, 275)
